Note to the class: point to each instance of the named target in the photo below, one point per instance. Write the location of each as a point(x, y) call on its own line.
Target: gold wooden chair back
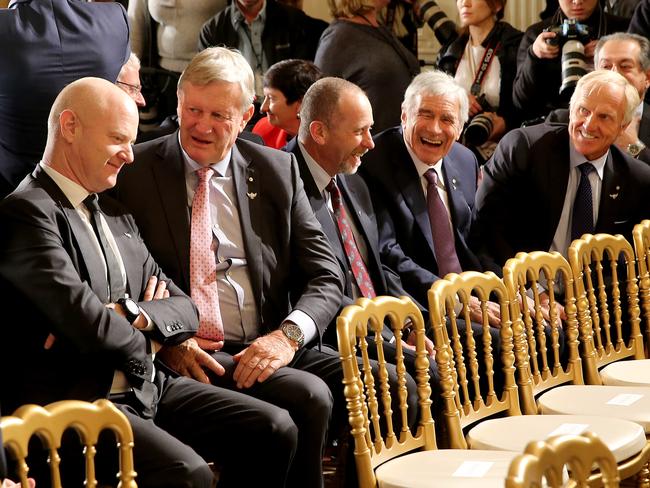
point(368, 395)
point(537, 342)
point(543, 463)
point(49, 424)
point(641, 236)
point(468, 390)
point(600, 285)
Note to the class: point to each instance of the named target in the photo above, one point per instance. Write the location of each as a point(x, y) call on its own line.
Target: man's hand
point(474, 106)
point(262, 358)
point(542, 49)
point(630, 135)
point(545, 307)
point(189, 360)
point(428, 344)
point(493, 312)
point(590, 50)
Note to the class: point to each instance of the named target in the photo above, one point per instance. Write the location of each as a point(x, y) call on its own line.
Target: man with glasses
point(129, 80)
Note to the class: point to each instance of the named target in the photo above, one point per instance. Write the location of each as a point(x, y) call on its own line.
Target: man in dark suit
point(276, 284)
point(629, 55)
point(94, 306)
point(398, 173)
point(46, 45)
point(548, 184)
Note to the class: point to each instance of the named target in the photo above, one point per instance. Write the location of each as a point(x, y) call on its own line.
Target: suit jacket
point(51, 277)
point(520, 200)
point(561, 116)
point(401, 207)
point(290, 262)
point(46, 45)
point(640, 22)
point(357, 199)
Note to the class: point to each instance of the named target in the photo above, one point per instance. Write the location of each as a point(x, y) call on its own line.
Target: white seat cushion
point(448, 468)
point(624, 438)
point(629, 403)
point(627, 373)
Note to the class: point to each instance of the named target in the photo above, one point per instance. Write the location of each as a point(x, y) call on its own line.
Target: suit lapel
point(458, 206)
point(408, 183)
point(87, 253)
point(247, 191)
point(644, 126)
point(609, 195)
point(169, 175)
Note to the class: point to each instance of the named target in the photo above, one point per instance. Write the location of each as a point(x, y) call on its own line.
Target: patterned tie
point(357, 266)
point(582, 221)
point(443, 238)
point(203, 265)
point(116, 288)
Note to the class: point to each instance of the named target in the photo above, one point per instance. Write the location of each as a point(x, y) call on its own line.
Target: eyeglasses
point(133, 90)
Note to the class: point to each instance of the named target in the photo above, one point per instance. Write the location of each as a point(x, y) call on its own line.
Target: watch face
point(131, 307)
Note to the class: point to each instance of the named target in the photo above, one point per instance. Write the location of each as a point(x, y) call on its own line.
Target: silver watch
point(635, 148)
point(293, 332)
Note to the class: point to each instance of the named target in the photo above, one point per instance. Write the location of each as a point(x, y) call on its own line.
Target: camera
point(478, 130)
point(572, 36)
point(443, 28)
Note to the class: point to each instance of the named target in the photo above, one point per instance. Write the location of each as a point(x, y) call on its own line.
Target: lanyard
point(488, 56)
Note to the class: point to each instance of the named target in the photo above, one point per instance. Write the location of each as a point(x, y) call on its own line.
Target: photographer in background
point(536, 89)
point(481, 61)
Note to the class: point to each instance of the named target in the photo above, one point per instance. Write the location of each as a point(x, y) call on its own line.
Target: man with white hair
point(546, 185)
point(128, 80)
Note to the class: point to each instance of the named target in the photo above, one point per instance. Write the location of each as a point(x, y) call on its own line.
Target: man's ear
point(318, 131)
point(247, 116)
point(68, 125)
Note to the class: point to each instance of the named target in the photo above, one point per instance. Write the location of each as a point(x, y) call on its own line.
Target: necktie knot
point(331, 186)
point(334, 192)
point(91, 202)
point(586, 168)
point(431, 177)
point(204, 175)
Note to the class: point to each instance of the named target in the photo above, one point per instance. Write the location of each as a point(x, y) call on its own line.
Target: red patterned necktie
point(357, 266)
point(443, 238)
point(203, 265)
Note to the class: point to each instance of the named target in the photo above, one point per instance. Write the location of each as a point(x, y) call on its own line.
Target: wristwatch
point(635, 148)
point(131, 308)
point(293, 332)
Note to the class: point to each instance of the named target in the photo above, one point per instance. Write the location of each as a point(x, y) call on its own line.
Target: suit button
point(169, 328)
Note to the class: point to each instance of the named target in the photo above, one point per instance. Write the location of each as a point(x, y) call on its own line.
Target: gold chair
point(641, 236)
point(383, 456)
point(546, 461)
point(475, 413)
point(601, 286)
point(49, 424)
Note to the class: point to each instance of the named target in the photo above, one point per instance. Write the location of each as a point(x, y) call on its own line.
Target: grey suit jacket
point(52, 278)
point(290, 262)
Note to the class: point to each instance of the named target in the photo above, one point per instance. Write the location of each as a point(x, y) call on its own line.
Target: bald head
point(91, 127)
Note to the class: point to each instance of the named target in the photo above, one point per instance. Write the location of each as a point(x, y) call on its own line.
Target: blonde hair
point(350, 8)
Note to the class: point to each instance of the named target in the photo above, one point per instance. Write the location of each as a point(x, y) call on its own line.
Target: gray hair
point(435, 83)
point(221, 64)
point(644, 44)
point(602, 78)
point(321, 103)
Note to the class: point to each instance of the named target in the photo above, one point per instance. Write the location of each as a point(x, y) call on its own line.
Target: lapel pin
point(453, 183)
point(250, 178)
point(127, 235)
point(613, 196)
point(251, 195)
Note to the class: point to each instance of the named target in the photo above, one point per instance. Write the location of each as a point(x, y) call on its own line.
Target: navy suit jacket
point(53, 279)
point(401, 207)
point(46, 45)
point(520, 200)
point(289, 259)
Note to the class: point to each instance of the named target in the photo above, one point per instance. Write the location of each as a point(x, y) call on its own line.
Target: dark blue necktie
point(583, 207)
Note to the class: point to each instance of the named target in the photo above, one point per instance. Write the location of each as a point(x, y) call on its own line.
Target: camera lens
point(443, 28)
point(574, 65)
point(478, 130)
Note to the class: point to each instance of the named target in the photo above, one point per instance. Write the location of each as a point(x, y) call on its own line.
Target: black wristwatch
point(131, 308)
point(293, 332)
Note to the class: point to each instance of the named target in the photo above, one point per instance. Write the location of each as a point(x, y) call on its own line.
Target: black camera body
point(479, 128)
point(569, 29)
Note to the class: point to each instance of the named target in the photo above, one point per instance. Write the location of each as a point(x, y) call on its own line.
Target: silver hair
point(643, 42)
point(221, 64)
point(436, 83)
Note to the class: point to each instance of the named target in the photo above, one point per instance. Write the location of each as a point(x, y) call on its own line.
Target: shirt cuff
point(149, 326)
point(305, 322)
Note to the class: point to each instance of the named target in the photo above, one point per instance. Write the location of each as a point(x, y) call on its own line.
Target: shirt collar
point(423, 167)
point(577, 159)
point(73, 191)
point(191, 166)
point(236, 17)
point(321, 177)
point(639, 110)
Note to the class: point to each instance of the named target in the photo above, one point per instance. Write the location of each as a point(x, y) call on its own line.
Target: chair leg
point(643, 477)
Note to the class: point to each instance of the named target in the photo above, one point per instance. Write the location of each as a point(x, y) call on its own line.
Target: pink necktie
point(203, 265)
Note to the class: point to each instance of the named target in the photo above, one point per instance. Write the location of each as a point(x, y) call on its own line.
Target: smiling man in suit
point(230, 222)
point(94, 306)
point(546, 185)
